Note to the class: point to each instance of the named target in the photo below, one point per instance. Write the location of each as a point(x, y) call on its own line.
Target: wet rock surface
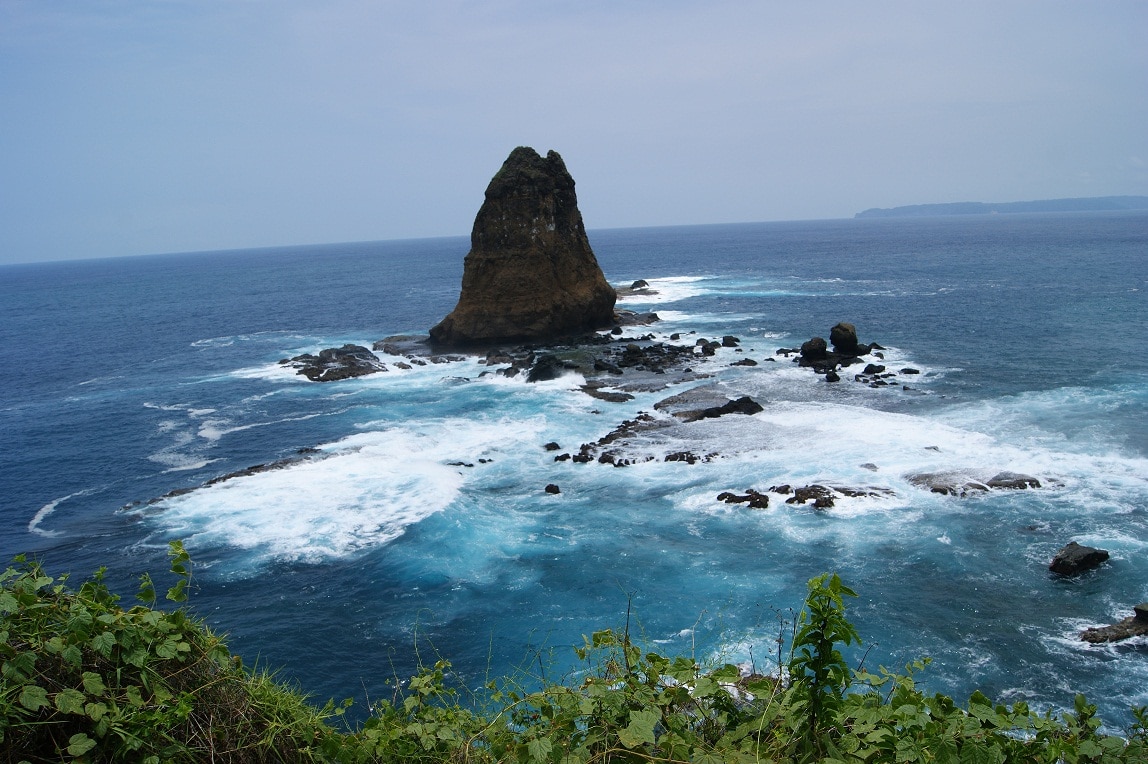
point(960, 483)
point(1135, 625)
point(334, 364)
point(1074, 559)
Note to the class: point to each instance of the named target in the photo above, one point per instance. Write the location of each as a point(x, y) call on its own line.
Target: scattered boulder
point(546, 367)
point(755, 499)
point(957, 483)
point(689, 457)
point(530, 274)
point(1013, 480)
point(1074, 559)
point(333, 364)
point(846, 351)
point(821, 496)
point(947, 483)
point(551, 488)
point(843, 337)
point(814, 350)
point(743, 405)
point(1134, 626)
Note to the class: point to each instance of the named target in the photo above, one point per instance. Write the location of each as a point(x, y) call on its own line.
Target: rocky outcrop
point(843, 337)
point(960, 483)
point(1134, 626)
point(755, 499)
point(815, 353)
point(334, 364)
point(1073, 559)
point(530, 274)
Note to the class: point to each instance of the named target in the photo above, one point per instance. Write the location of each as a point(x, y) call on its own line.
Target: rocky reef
point(1135, 625)
point(334, 364)
point(530, 274)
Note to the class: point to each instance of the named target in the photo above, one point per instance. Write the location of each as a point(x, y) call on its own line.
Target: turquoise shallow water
point(132, 377)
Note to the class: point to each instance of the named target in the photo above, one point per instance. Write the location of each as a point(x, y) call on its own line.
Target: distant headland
point(1086, 204)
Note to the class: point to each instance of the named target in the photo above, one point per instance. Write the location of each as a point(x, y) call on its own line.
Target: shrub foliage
point(86, 680)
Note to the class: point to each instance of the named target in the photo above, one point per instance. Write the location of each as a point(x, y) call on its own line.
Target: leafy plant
point(84, 679)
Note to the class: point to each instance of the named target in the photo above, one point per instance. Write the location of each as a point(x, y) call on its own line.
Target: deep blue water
point(129, 378)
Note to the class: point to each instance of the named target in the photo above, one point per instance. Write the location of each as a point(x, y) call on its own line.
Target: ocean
point(425, 531)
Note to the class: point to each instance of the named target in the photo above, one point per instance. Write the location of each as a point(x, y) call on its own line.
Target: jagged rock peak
point(530, 274)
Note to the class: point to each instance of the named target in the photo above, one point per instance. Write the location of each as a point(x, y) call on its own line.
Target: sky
point(145, 126)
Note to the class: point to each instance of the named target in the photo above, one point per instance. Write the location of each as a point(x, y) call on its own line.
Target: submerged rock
point(530, 274)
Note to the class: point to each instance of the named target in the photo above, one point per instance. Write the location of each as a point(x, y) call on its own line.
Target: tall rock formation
point(530, 274)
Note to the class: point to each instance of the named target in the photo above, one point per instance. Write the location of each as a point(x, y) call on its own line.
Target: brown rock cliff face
point(530, 274)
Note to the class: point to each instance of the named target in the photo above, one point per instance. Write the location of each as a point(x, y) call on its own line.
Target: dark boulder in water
point(846, 351)
point(530, 274)
point(547, 367)
point(843, 337)
point(755, 499)
point(814, 350)
point(742, 405)
point(961, 483)
point(1013, 480)
point(1074, 559)
point(334, 364)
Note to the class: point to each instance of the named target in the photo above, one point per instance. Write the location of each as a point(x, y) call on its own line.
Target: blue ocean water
point(130, 378)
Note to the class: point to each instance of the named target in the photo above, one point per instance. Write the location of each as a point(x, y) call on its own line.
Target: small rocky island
point(530, 275)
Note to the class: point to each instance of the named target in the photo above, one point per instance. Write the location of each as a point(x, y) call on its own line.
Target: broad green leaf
point(79, 744)
point(641, 728)
point(95, 711)
point(73, 655)
point(19, 666)
point(166, 649)
point(33, 697)
point(8, 603)
point(178, 592)
point(134, 696)
point(103, 643)
point(946, 752)
point(70, 701)
point(539, 750)
point(94, 683)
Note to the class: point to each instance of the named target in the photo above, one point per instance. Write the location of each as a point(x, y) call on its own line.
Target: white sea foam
point(366, 492)
point(670, 289)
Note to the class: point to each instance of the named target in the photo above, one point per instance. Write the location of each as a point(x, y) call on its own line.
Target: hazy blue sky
point(130, 127)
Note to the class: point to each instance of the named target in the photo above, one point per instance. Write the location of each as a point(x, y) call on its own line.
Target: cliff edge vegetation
point(86, 679)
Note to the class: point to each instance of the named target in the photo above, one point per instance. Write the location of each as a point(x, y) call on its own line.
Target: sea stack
point(530, 274)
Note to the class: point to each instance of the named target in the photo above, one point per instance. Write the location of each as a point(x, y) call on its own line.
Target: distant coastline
point(1086, 204)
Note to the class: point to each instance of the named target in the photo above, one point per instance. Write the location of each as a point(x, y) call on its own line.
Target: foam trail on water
point(43, 512)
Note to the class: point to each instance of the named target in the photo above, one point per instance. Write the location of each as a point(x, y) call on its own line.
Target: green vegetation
point(86, 680)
